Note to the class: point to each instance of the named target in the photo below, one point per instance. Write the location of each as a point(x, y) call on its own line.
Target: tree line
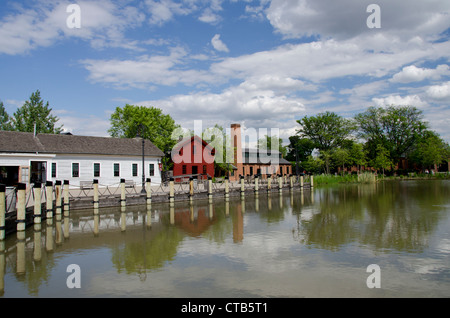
point(379, 137)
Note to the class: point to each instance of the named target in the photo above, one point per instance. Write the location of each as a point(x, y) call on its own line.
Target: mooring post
point(269, 183)
point(123, 198)
point(209, 188)
point(58, 201)
point(37, 202)
point(171, 190)
point(291, 181)
point(96, 201)
point(148, 190)
point(191, 189)
point(66, 197)
point(256, 184)
point(2, 211)
point(301, 182)
point(49, 199)
point(242, 186)
point(227, 188)
point(280, 183)
point(312, 181)
point(21, 195)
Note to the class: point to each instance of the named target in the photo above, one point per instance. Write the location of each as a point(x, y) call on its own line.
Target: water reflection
point(389, 217)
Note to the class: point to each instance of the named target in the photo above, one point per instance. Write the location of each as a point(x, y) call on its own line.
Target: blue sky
point(261, 63)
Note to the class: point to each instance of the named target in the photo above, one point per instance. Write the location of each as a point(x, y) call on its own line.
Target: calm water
point(315, 244)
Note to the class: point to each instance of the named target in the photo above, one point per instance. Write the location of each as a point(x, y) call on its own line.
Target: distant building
point(29, 158)
point(192, 156)
point(250, 162)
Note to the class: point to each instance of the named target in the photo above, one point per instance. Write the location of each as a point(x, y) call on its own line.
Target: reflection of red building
point(192, 156)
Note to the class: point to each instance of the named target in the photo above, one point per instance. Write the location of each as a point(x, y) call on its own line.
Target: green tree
point(431, 151)
point(299, 149)
point(382, 159)
point(396, 128)
point(267, 142)
point(35, 112)
point(147, 122)
point(313, 164)
point(327, 130)
point(357, 155)
point(4, 118)
point(341, 157)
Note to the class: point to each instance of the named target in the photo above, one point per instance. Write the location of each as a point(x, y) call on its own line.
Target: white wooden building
point(29, 158)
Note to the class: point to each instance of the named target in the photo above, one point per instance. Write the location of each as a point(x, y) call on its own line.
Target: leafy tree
point(35, 112)
point(299, 149)
point(382, 159)
point(396, 128)
point(327, 130)
point(313, 164)
point(267, 142)
point(341, 157)
point(431, 151)
point(357, 155)
point(147, 122)
point(4, 118)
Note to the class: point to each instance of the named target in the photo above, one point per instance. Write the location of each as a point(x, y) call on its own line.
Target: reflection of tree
point(148, 254)
point(388, 215)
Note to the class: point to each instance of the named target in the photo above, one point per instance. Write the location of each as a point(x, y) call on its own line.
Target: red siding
point(202, 159)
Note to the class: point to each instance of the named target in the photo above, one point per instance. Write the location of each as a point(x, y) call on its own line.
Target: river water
point(295, 244)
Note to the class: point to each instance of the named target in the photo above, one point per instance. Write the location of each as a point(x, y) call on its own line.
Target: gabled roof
point(24, 142)
point(190, 139)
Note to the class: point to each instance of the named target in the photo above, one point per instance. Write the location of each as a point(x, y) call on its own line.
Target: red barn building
point(192, 156)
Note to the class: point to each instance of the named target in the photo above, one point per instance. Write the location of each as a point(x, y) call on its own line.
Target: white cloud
point(439, 92)
point(412, 100)
point(416, 74)
point(218, 44)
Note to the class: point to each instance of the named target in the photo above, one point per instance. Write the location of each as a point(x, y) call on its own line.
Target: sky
point(262, 63)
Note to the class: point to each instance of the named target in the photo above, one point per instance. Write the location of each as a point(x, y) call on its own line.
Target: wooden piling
point(280, 183)
point(242, 186)
point(37, 191)
point(291, 182)
point(148, 190)
point(123, 198)
point(2, 211)
point(66, 198)
point(171, 190)
point(311, 181)
point(58, 196)
point(96, 200)
point(191, 189)
point(209, 188)
point(269, 183)
point(21, 202)
point(301, 182)
point(256, 184)
point(49, 199)
point(227, 188)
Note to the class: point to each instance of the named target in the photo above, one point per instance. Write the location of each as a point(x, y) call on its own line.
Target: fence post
point(242, 186)
point(280, 183)
point(191, 189)
point(227, 189)
point(171, 190)
point(66, 197)
point(2, 211)
point(21, 201)
point(148, 190)
point(58, 201)
point(123, 198)
point(209, 188)
point(96, 201)
point(37, 202)
point(49, 199)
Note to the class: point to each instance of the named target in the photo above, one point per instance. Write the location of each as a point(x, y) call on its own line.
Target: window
point(194, 170)
point(151, 170)
point(53, 169)
point(135, 169)
point(75, 170)
point(96, 170)
point(281, 170)
point(116, 170)
point(184, 168)
point(251, 171)
point(204, 169)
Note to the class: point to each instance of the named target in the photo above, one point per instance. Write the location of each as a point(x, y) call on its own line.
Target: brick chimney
point(236, 144)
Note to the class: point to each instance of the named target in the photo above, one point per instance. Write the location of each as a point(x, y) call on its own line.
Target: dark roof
point(24, 142)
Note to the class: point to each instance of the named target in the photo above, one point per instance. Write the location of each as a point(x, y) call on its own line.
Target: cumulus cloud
point(416, 74)
point(218, 44)
point(412, 100)
point(439, 92)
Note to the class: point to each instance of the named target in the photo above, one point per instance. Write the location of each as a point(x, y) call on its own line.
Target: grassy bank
point(372, 178)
